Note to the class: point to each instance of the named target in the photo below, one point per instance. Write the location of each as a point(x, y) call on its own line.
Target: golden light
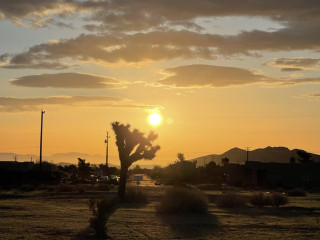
point(154, 119)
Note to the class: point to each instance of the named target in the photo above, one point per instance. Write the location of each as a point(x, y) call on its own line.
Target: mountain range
point(268, 154)
point(235, 155)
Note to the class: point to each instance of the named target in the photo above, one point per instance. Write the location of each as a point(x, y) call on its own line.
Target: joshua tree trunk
point(123, 181)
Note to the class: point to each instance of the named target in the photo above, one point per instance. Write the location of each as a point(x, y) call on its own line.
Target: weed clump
point(231, 200)
point(275, 199)
point(297, 193)
point(182, 201)
point(135, 196)
point(65, 188)
point(102, 187)
point(279, 199)
point(101, 210)
point(27, 188)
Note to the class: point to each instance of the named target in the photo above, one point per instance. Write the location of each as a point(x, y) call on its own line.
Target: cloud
point(128, 15)
point(35, 13)
point(139, 31)
point(303, 81)
point(141, 48)
point(107, 49)
point(294, 64)
point(209, 76)
point(291, 69)
point(9, 104)
point(313, 96)
point(67, 80)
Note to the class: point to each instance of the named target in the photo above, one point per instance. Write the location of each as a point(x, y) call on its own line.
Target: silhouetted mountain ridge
point(268, 154)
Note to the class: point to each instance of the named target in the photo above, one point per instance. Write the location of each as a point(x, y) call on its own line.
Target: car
point(114, 179)
point(103, 179)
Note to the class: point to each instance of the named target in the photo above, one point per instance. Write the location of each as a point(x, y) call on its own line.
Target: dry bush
point(231, 200)
point(27, 188)
point(260, 200)
point(134, 195)
point(182, 200)
point(102, 187)
point(101, 211)
point(47, 188)
point(279, 199)
point(297, 193)
point(274, 199)
point(66, 188)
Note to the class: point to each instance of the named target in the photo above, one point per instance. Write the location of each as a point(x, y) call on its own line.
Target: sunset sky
point(222, 74)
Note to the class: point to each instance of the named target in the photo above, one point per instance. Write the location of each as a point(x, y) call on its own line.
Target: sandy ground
point(53, 215)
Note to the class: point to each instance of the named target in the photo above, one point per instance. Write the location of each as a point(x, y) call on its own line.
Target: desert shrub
point(65, 188)
point(81, 190)
point(279, 199)
point(46, 188)
point(134, 195)
point(101, 210)
point(27, 188)
point(274, 199)
point(230, 200)
point(205, 187)
point(102, 187)
point(182, 200)
point(84, 187)
point(260, 200)
point(296, 193)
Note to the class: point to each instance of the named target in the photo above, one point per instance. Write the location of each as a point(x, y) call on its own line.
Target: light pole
point(107, 149)
point(247, 149)
point(42, 112)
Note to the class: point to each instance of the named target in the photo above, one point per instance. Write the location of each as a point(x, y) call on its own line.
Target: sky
point(222, 74)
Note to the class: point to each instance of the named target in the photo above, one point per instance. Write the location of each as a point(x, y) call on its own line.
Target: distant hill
point(268, 154)
point(64, 158)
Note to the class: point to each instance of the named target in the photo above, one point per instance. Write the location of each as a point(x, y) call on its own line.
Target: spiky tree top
point(133, 145)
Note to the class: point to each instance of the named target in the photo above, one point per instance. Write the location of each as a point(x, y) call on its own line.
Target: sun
point(155, 119)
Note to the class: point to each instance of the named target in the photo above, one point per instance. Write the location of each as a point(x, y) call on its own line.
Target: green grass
point(65, 215)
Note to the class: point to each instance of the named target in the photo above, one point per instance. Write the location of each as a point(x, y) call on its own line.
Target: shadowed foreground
point(43, 215)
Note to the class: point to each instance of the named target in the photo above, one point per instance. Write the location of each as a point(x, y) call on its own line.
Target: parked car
point(114, 179)
point(103, 179)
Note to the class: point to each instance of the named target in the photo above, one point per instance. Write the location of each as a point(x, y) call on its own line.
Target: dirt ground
point(57, 215)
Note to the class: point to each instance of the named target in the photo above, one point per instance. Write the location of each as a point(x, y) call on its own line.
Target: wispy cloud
point(313, 96)
point(68, 80)
point(9, 104)
point(294, 64)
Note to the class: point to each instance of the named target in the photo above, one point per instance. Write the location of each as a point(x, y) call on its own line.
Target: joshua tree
point(225, 161)
point(180, 157)
point(132, 145)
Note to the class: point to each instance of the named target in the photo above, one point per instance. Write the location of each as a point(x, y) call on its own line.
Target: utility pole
point(42, 112)
point(247, 149)
point(107, 149)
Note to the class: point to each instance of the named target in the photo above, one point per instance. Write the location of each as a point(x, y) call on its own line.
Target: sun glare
point(154, 119)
